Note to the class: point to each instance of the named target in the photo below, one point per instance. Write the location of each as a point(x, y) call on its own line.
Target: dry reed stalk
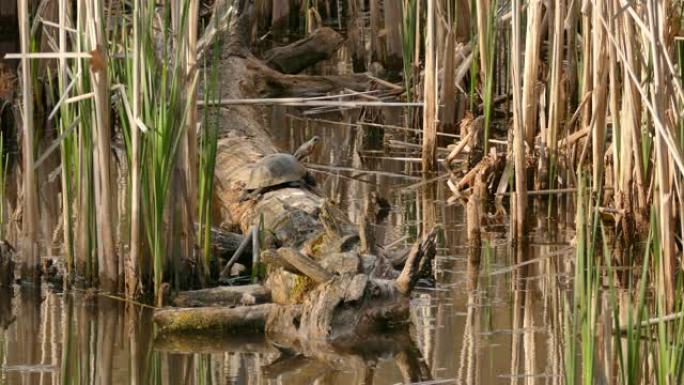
point(49, 55)
point(482, 10)
point(555, 90)
point(83, 218)
point(658, 25)
point(462, 20)
point(307, 102)
point(600, 87)
point(188, 162)
point(429, 149)
point(393, 16)
point(108, 266)
point(355, 35)
point(30, 266)
point(66, 184)
point(448, 94)
point(614, 91)
point(518, 128)
point(416, 53)
point(376, 24)
point(132, 262)
point(631, 113)
point(532, 45)
point(586, 62)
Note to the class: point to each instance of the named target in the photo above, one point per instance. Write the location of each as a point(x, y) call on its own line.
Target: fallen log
point(325, 292)
point(223, 296)
point(203, 319)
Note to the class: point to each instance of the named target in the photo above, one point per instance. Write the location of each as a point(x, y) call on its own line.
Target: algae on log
point(340, 296)
point(228, 320)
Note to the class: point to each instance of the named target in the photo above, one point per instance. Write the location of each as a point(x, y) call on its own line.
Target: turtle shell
point(275, 169)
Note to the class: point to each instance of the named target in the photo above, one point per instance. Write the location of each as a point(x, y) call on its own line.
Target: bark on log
point(223, 296)
point(321, 44)
point(226, 320)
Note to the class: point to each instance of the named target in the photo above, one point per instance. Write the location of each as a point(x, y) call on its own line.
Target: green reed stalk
point(408, 40)
point(66, 119)
point(163, 112)
point(29, 248)
point(134, 259)
point(207, 162)
point(581, 315)
point(487, 100)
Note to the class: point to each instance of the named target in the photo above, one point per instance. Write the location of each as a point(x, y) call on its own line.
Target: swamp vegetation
point(483, 191)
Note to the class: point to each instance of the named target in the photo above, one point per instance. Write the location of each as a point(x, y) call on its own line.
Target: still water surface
point(489, 320)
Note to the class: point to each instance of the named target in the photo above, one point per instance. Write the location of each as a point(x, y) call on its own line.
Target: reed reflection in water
point(490, 319)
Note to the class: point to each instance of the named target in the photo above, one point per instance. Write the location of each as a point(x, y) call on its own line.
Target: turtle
point(307, 148)
point(273, 172)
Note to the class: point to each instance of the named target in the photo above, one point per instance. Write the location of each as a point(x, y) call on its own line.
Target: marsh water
point(490, 319)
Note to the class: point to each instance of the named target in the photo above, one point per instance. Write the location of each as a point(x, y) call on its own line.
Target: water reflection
point(485, 322)
point(494, 317)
